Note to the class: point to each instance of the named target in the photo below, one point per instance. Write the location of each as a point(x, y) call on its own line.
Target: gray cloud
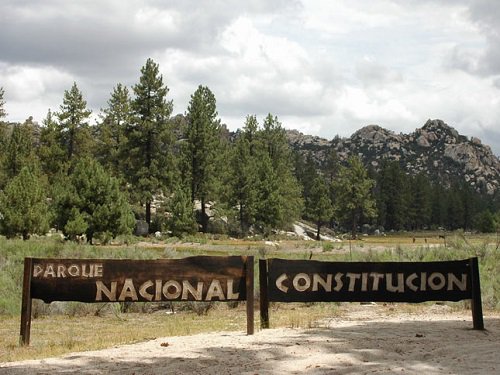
point(485, 14)
point(329, 69)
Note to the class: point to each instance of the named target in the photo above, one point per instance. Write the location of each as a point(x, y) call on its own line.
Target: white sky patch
point(32, 90)
point(156, 20)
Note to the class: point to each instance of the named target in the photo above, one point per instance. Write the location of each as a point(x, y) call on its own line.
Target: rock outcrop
point(436, 149)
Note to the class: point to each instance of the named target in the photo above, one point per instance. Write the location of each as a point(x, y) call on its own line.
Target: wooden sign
point(200, 278)
point(315, 281)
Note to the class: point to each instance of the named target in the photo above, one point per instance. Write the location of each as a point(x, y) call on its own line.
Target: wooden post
point(264, 298)
point(24, 338)
point(250, 292)
point(477, 308)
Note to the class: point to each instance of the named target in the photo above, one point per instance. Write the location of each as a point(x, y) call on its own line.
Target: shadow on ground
point(430, 347)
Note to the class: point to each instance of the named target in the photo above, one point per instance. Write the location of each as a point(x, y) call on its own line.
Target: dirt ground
point(368, 339)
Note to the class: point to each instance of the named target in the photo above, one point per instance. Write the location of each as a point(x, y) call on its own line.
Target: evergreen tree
point(485, 222)
point(116, 118)
point(420, 203)
point(353, 194)
point(455, 210)
point(20, 149)
point(3, 138)
point(392, 196)
point(287, 196)
point(50, 151)
point(89, 202)
point(182, 220)
point(306, 172)
point(74, 133)
point(331, 165)
point(270, 212)
point(439, 206)
point(2, 104)
point(243, 178)
point(150, 158)
point(318, 205)
point(24, 206)
point(203, 139)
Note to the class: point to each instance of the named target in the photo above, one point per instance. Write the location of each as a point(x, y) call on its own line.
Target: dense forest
point(187, 173)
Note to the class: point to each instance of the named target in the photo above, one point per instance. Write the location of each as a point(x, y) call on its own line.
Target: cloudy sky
point(324, 67)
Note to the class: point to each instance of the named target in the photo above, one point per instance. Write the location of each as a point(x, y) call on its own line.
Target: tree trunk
point(354, 226)
point(148, 213)
point(241, 219)
point(318, 231)
point(204, 219)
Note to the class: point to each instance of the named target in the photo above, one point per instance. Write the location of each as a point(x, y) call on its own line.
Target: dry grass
point(57, 334)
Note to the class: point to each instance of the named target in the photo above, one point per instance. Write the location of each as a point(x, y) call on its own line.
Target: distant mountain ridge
point(436, 149)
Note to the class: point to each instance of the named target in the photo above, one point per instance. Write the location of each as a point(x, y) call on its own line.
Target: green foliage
point(150, 161)
point(76, 224)
point(244, 175)
point(200, 153)
point(23, 206)
point(485, 222)
point(116, 118)
point(74, 133)
point(2, 103)
point(181, 221)
point(90, 202)
point(318, 206)
point(392, 194)
point(282, 190)
point(264, 190)
point(353, 194)
point(19, 151)
point(50, 151)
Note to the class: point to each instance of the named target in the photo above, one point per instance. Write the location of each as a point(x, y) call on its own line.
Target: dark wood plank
point(264, 299)
point(250, 294)
point(476, 303)
point(25, 330)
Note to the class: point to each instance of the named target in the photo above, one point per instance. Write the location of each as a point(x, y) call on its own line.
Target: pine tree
point(150, 158)
point(90, 202)
point(116, 118)
point(270, 213)
point(419, 202)
point(287, 196)
point(75, 136)
point(24, 205)
point(2, 104)
point(353, 194)
point(243, 178)
point(318, 205)
point(203, 139)
point(306, 172)
point(392, 196)
point(182, 220)
point(20, 149)
point(50, 151)
point(3, 138)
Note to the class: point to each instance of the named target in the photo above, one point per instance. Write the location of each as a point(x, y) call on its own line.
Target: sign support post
point(264, 298)
point(249, 281)
point(476, 304)
point(24, 338)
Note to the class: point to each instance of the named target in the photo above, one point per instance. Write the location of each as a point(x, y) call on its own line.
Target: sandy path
point(372, 340)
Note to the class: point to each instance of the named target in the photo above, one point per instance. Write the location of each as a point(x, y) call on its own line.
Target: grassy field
point(65, 327)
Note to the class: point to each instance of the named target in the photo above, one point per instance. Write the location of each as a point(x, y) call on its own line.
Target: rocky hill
point(435, 149)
